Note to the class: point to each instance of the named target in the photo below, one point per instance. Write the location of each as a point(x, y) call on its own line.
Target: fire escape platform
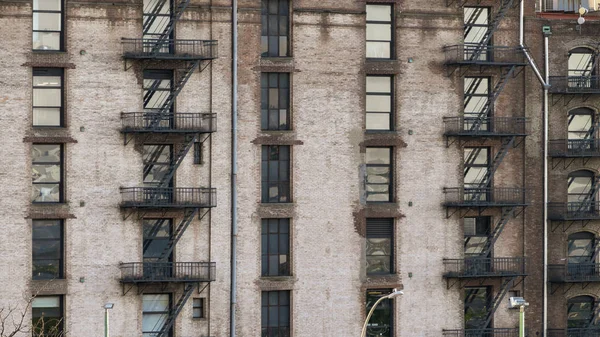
point(484, 197)
point(491, 56)
point(574, 273)
point(487, 127)
point(485, 267)
point(169, 49)
point(167, 272)
point(156, 122)
point(168, 197)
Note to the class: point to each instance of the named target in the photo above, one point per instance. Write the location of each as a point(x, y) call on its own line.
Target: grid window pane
point(47, 96)
point(275, 247)
point(380, 245)
point(378, 178)
point(198, 308)
point(378, 102)
point(381, 321)
point(47, 249)
point(275, 174)
point(275, 313)
point(47, 25)
point(47, 184)
point(275, 28)
point(47, 316)
point(155, 312)
point(157, 160)
point(476, 304)
point(379, 31)
point(275, 101)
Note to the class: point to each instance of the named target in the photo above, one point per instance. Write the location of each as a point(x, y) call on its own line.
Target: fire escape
point(164, 133)
point(478, 62)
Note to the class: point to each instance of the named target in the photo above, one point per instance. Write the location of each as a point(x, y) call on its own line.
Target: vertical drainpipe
point(234, 215)
point(547, 78)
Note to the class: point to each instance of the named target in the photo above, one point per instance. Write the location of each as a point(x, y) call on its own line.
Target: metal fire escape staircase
point(505, 5)
point(168, 27)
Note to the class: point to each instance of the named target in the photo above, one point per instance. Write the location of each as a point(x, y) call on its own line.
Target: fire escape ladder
point(184, 76)
point(166, 33)
point(505, 216)
point(178, 233)
point(176, 309)
point(153, 158)
point(594, 319)
point(506, 285)
point(178, 157)
point(505, 5)
point(487, 107)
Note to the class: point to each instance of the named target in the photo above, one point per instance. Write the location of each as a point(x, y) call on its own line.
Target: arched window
point(582, 129)
point(581, 187)
point(579, 311)
point(581, 248)
point(582, 65)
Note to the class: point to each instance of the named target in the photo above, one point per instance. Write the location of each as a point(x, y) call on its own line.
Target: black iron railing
point(574, 148)
point(168, 197)
point(484, 267)
point(466, 54)
point(491, 332)
point(574, 84)
point(588, 210)
point(179, 122)
point(170, 49)
point(134, 272)
point(575, 332)
point(468, 197)
point(574, 272)
point(495, 126)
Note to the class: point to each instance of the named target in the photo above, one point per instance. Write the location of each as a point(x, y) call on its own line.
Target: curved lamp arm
point(388, 296)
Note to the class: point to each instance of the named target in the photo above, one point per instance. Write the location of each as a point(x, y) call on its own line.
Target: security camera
point(516, 302)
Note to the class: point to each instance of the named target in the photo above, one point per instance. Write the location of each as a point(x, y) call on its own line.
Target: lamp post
point(519, 302)
point(106, 307)
point(393, 294)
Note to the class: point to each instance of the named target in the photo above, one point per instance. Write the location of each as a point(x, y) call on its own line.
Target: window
point(157, 23)
point(582, 66)
point(47, 249)
point(379, 174)
point(47, 25)
point(476, 233)
point(476, 99)
point(477, 304)
point(476, 168)
point(47, 96)
point(197, 153)
point(47, 182)
point(275, 173)
point(379, 31)
point(581, 189)
point(580, 312)
point(275, 314)
point(380, 324)
point(275, 236)
point(157, 164)
point(476, 26)
point(157, 234)
point(380, 246)
point(47, 316)
point(155, 312)
point(157, 87)
point(582, 130)
point(275, 101)
point(274, 40)
point(379, 103)
point(198, 307)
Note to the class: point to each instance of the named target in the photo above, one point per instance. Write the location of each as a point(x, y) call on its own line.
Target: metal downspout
point(545, 84)
point(234, 215)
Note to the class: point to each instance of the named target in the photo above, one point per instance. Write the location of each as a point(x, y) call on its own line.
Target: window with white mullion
point(379, 103)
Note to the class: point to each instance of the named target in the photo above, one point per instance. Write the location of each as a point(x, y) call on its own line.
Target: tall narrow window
point(198, 307)
point(477, 304)
point(157, 24)
point(379, 174)
point(275, 246)
point(379, 32)
point(47, 182)
point(47, 96)
point(379, 103)
point(583, 64)
point(380, 246)
point(476, 167)
point(47, 249)
point(476, 27)
point(157, 163)
point(275, 101)
point(48, 25)
point(157, 86)
point(580, 312)
point(47, 316)
point(155, 312)
point(476, 99)
point(582, 130)
point(381, 322)
point(275, 173)
point(477, 232)
point(157, 234)
point(581, 189)
point(582, 248)
point(274, 41)
point(275, 314)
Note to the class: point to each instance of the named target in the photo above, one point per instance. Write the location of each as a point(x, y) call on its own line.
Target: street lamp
point(106, 307)
point(393, 294)
point(519, 302)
